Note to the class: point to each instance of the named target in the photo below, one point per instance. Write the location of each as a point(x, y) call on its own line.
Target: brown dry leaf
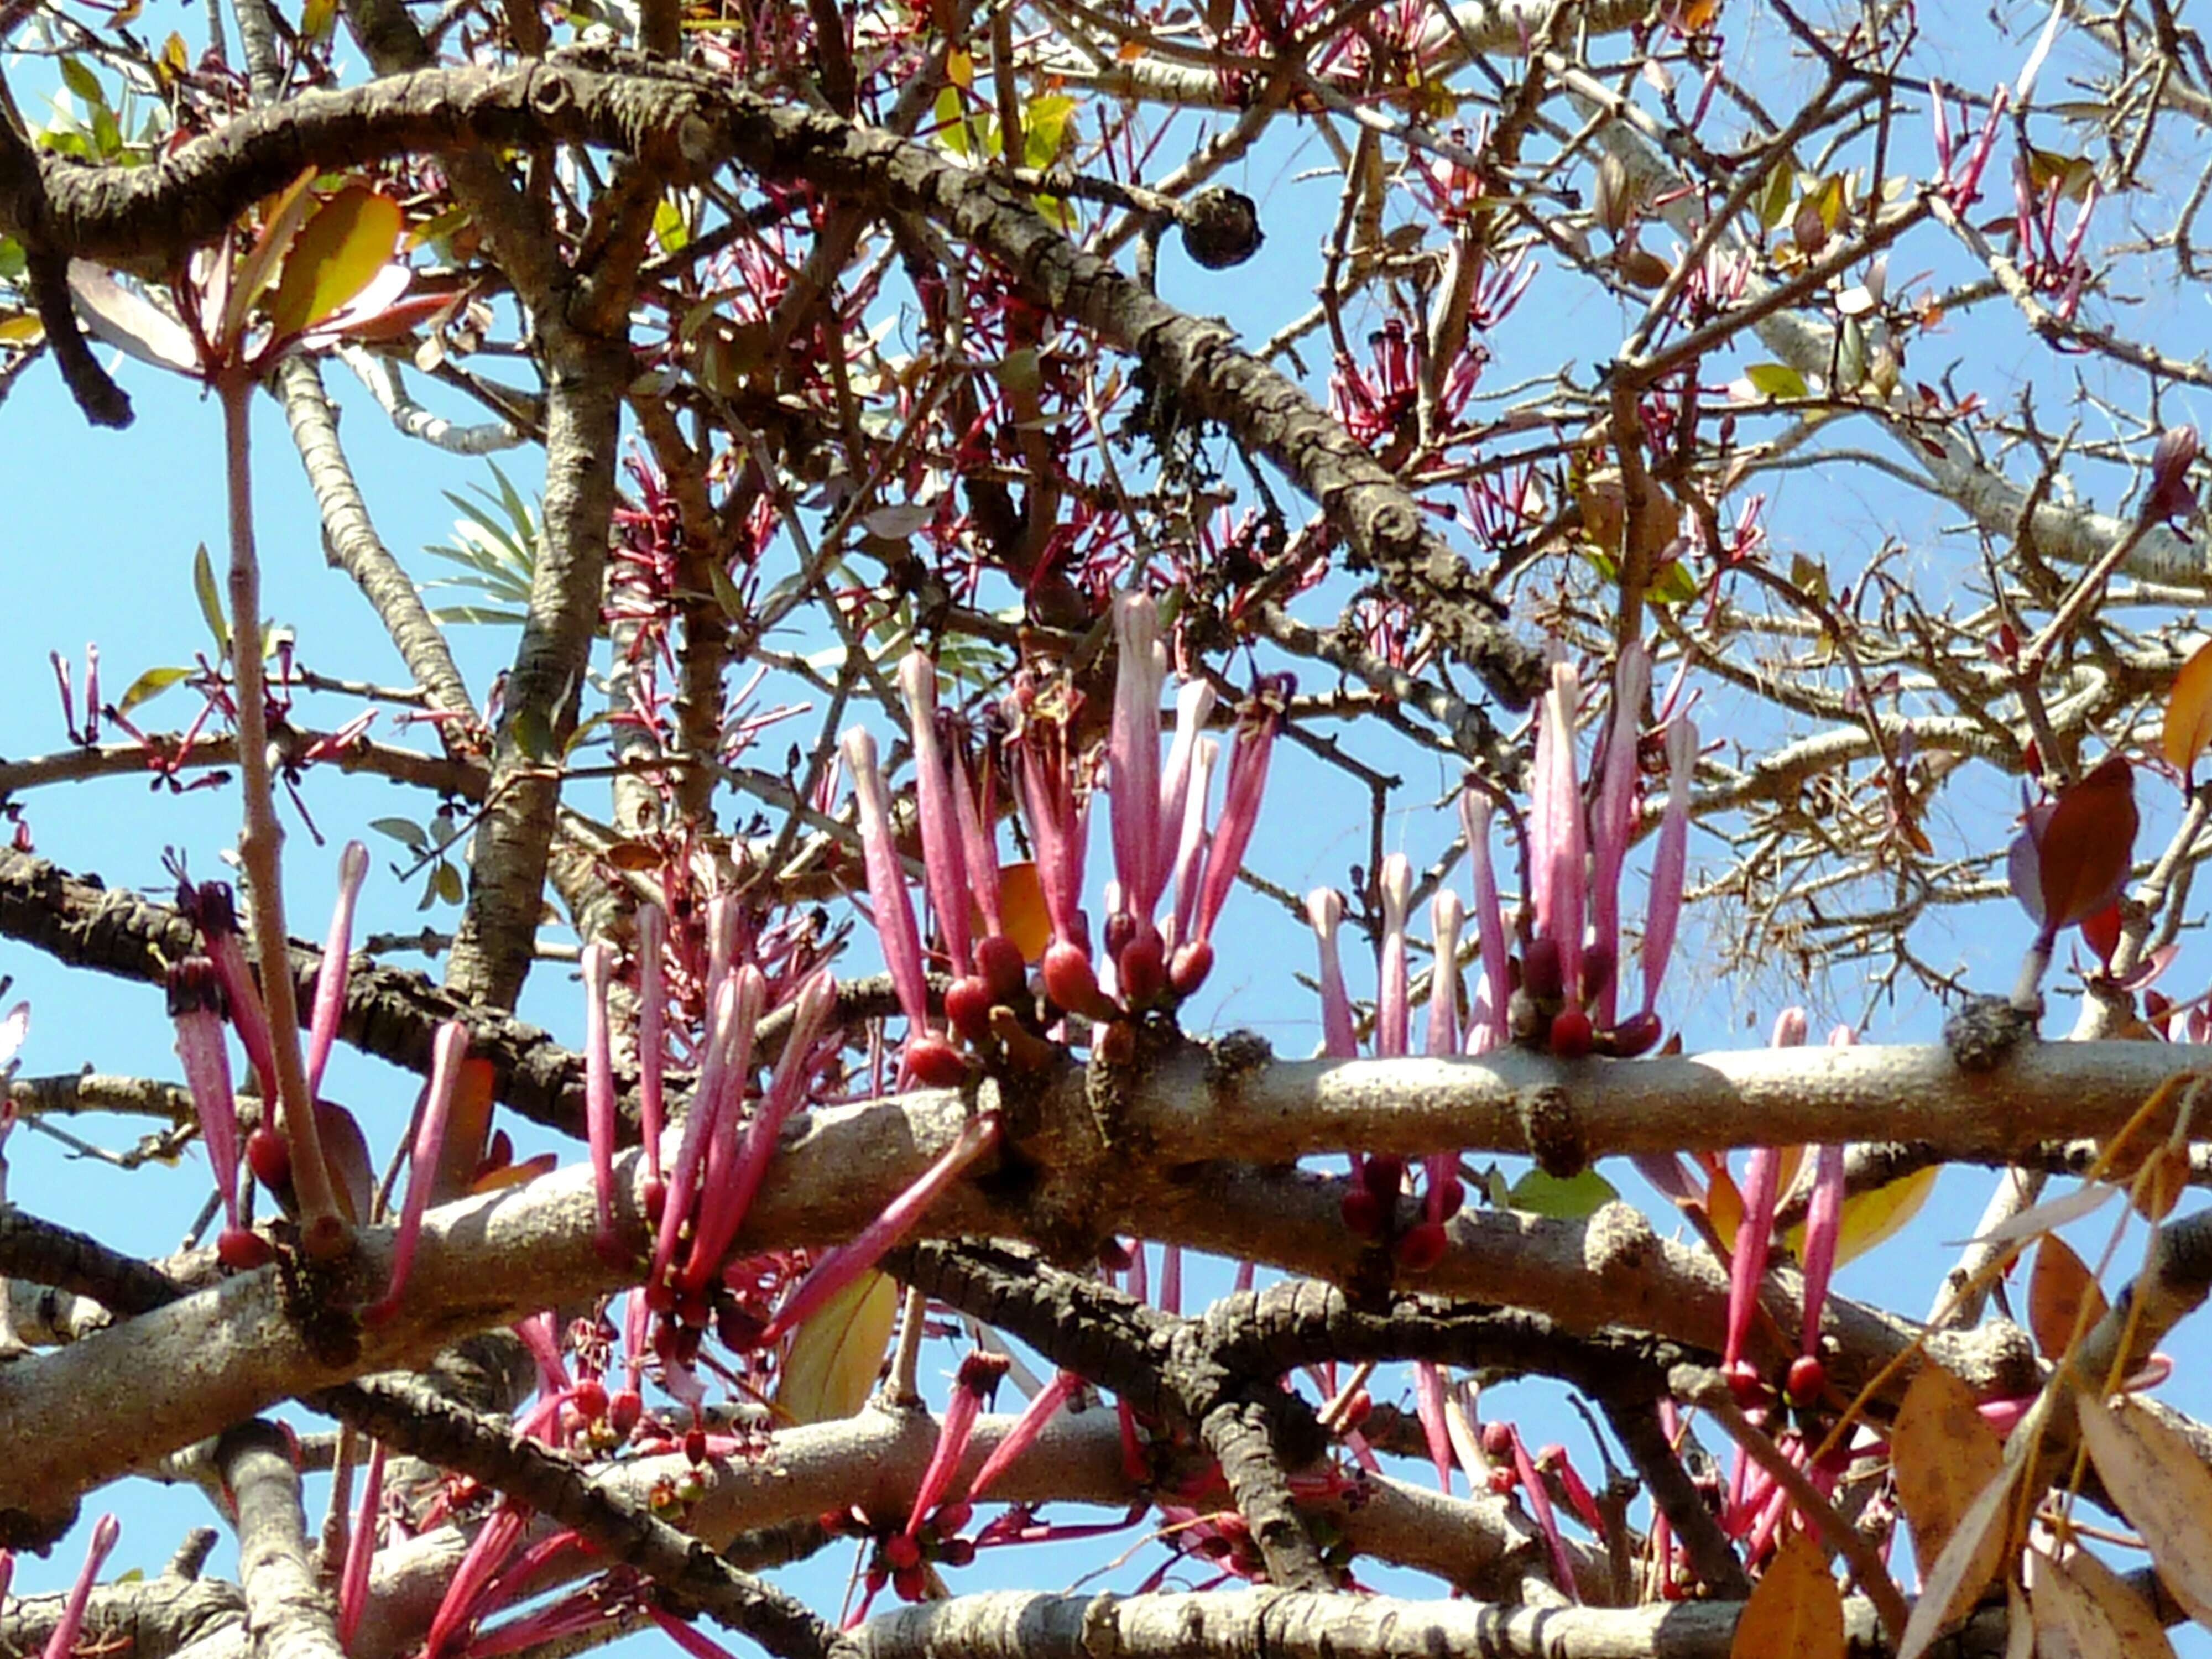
point(2155, 1477)
point(1944, 1454)
point(1976, 1549)
point(2137, 1632)
point(1794, 1608)
point(2056, 1290)
point(2169, 1178)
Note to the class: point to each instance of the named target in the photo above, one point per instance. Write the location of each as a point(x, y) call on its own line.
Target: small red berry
point(590, 1399)
point(1384, 1174)
point(1496, 1439)
point(912, 1583)
point(935, 1063)
point(695, 1444)
point(901, 1550)
point(1572, 1037)
point(1502, 1479)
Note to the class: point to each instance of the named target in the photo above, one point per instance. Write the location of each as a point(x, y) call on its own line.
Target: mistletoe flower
point(839, 1267)
point(1488, 1029)
point(1390, 1012)
point(1754, 1233)
point(1132, 766)
point(1050, 1400)
point(1058, 817)
point(735, 1012)
point(928, 1058)
point(195, 1004)
point(1613, 823)
point(360, 1548)
point(1668, 863)
point(730, 1183)
point(941, 840)
point(1190, 847)
point(331, 977)
point(447, 1051)
point(977, 1380)
point(1248, 755)
point(599, 1094)
point(1339, 1037)
point(62, 1641)
point(652, 1045)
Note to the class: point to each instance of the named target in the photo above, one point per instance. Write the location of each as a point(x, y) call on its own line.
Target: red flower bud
point(1190, 965)
point(911, 1582)
point(902, 1551)
point(1572, 1037)
point(1742, 1378)
point(1384, 1174)
point(695, 1444)
point(999, 963)
point(1070, 982)
point(1363, 1212)
point(270, 1158)
point(1421, 1247)
point(1541, 974)
point(1496, 1439)
point(968, 1006)
point(241, 1249)
point(934, 1063)
point(624, 1409)
point(1809, 1380)
point(956, 1552)
point(590, 1399)
point(1636, 1034)
point(1143, 968)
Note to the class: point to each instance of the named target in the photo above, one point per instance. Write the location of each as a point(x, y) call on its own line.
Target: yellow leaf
point(830, 1367)
point(1021, 907)
point(1794, 1608)
point(21, 329)
point(2057, 1292)
point(2188, 711)
point(1944, 1454)
point(1724, 1206)
point(2155, 1477)
point(336, 255)
point(960, 70)
point(1871, 1216)
point(1129, 52)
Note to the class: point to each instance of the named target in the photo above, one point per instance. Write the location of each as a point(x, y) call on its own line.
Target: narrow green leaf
point(211, 599)
point(82, 82)
point(148, 685)
point(408, 833)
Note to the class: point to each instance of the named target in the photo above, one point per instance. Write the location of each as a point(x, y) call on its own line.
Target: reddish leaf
point(2088, 845)
point(2101, 931)
point(335, 256)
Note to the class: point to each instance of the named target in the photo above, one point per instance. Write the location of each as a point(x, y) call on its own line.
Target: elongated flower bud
point(330, 976)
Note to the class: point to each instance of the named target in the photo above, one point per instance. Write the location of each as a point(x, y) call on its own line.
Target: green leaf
point(1774, 204)
point(211, 599)
point(445, 883)
point(1776, 380)
point(408, 833)
point(951, 129)
point(82, 82)
point(726, 593)
point(148, 685)
point(1570, 1199)
point(1044, 123)
point(349, 241)
point(13, 260)
point(1673, 584)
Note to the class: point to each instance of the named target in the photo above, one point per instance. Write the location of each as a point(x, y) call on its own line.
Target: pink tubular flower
point(1668, 863)
point(216, 911)
point(1050, 1398)
point(105, 1532)
point(1489, 928)
point(927, 1058)
point(331, 977)
point(839, 1266)
point(448, 1049)
point(1190, 846)
point(979, 1377)
point(195, 1004)
point(1447, 916)
point(1392, 1017)
point(1613, 820)
point(735, 1013)
point(1428, 1407)
point(1561, 877)
point(1195, 700)
point(723, 1203)
point(941, 840)
point(360, 1548)
point(599, 1094)
point(1132, 758)
point(1340, 1039)
point(652, 1038)
point(1240, 801)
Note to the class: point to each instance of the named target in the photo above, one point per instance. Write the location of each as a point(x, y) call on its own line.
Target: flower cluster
point(1171, 875)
